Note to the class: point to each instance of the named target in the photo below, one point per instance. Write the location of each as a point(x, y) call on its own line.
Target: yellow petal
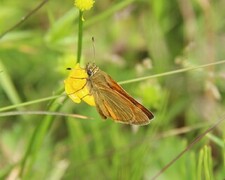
point(76, 88)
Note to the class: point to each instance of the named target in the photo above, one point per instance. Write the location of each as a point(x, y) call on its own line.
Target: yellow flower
point(84, 5)
point(76, 88)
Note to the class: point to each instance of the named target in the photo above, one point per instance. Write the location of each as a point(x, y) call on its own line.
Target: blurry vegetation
point(132, 39)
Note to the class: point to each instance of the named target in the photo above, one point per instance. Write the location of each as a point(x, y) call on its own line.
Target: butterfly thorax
point(96, 78)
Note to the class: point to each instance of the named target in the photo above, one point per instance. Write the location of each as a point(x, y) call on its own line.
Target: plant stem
point(80, 35)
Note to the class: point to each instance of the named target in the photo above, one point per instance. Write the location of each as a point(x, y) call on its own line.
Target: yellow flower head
point(75, 86)
point(84, 5)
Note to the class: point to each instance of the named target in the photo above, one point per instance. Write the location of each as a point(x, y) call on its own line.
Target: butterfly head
point(91, 69)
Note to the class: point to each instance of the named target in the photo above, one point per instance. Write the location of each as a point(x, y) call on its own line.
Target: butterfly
point(110, 99)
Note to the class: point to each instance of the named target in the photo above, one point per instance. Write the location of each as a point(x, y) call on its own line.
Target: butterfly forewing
point(119, 108)
point(113, 85)
point(114, 102)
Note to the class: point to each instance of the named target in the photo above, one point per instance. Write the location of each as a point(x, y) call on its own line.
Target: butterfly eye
point(89, 72)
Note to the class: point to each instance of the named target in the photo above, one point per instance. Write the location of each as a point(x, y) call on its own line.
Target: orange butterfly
point(97, 88)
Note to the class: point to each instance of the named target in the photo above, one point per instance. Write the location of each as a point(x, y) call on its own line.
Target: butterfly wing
point(113, 101)
point(118, 108)
point(113, 85)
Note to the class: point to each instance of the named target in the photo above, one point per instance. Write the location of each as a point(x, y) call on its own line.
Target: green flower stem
point(172, 72)
point(80, 35)
point(30, 102)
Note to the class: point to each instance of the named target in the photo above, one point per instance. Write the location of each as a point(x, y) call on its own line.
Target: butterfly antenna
point(93, 46)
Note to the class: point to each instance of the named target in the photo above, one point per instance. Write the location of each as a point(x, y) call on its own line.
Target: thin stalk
point(80, 35)
point(30, 102)
point(172, 72)
point(24, 18)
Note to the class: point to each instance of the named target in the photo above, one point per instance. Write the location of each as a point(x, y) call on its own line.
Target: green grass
point(169, 55)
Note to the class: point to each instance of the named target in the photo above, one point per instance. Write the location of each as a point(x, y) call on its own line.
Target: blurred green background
point(132, 39)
